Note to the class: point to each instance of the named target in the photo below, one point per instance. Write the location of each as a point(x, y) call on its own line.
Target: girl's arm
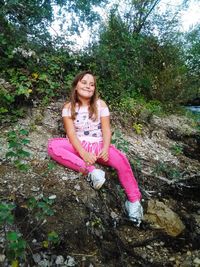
point(71, 133)
point(106, 132)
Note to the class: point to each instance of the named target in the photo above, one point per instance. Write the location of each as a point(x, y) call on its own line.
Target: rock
point(35, 189)
point(77, 187)
point(59, 260)
point(2, 257)
point(161, 216)
point(114, 215)
point(149, 247)
point(197, 261)
point(70, 261)
point(52, 197)
point(44, 263)
point(186, 263)
point(189, 253)
point(144, 255)
point(36, 257)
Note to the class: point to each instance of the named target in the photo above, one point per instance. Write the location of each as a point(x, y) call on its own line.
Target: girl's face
point(86, 86)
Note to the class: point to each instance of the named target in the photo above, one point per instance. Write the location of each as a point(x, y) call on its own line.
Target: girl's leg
point(119, 161)
point(63, 152)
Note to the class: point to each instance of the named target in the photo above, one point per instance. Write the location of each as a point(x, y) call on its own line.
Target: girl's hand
point(104, 154)
point(89, 158)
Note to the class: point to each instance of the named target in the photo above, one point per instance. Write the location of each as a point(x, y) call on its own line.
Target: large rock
point(161, 216)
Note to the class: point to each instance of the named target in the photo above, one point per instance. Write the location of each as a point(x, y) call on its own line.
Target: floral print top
point(87, 129)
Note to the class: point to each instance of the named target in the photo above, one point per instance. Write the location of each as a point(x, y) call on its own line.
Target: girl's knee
point(118, 159)
point(116, 153)
point(56, 142)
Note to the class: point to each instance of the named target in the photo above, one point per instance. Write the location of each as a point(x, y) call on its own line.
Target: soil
point(92, 225)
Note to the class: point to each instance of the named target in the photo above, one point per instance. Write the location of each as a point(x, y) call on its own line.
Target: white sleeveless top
point(87, 129)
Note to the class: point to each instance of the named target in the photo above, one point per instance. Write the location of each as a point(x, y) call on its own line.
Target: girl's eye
point(84, 82)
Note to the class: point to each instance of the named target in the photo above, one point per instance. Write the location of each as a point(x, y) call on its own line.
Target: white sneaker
point(96, 178)
point(134, 211)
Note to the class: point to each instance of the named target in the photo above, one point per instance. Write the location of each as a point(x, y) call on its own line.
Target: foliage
point(136, 164)
point(129, 105)
point(22, 20)
point(192, 58)
point(113, 57)
point(138, 128)
point(33, 63)
point(16, 247)
point(95, 225)
point(176, 149)
point(40, 208)
point(5, 213)
point(161, 168)
point(131, 62)
point(16, 142)
point(119, 141)
point(138, 110)
point(53, 237)
point(17, 242)
point(45, 77)
point(139, 53)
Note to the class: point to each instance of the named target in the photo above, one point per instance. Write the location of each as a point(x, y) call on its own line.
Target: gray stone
point(70, 262)
point(197, 261)
point(36, 257)
point(44, 263)
point(59, 260)
point(2, 257)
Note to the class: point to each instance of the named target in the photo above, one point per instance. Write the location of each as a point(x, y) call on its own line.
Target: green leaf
point(32, 202)
point(15, 263)
point(49, 212)
point(23, 167)
point(23, 153)
point(24, 132)
point(13, 236)
point(3, 110)
point(13, 143)
point(11, 154)
point(42, 205)
point(25, 141)
point(53, 237)
point(12, 134)
point(43, 77)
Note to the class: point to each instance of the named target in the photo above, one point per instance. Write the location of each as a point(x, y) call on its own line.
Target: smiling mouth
point(86, 90)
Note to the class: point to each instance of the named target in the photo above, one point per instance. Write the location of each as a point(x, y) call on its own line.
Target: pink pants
point(61, 150)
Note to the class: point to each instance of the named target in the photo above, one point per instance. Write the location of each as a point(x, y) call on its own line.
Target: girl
point(87, 124)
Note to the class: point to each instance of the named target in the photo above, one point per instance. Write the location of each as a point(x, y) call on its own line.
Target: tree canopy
point(138, 53)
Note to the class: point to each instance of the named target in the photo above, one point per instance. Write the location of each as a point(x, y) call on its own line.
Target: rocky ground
point(92, 226)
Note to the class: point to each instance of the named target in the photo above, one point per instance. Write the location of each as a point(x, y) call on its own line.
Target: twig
point(84, 255)
point(159, 177)
point(147, 193)
point(173, 181)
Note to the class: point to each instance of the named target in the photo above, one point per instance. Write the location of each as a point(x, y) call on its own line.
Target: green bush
point(17, 140)
point(17, 244)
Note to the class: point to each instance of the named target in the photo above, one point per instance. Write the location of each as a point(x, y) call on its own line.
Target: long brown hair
point(74, 99)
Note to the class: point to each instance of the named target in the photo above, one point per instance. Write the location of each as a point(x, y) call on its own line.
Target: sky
point(190, 17)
